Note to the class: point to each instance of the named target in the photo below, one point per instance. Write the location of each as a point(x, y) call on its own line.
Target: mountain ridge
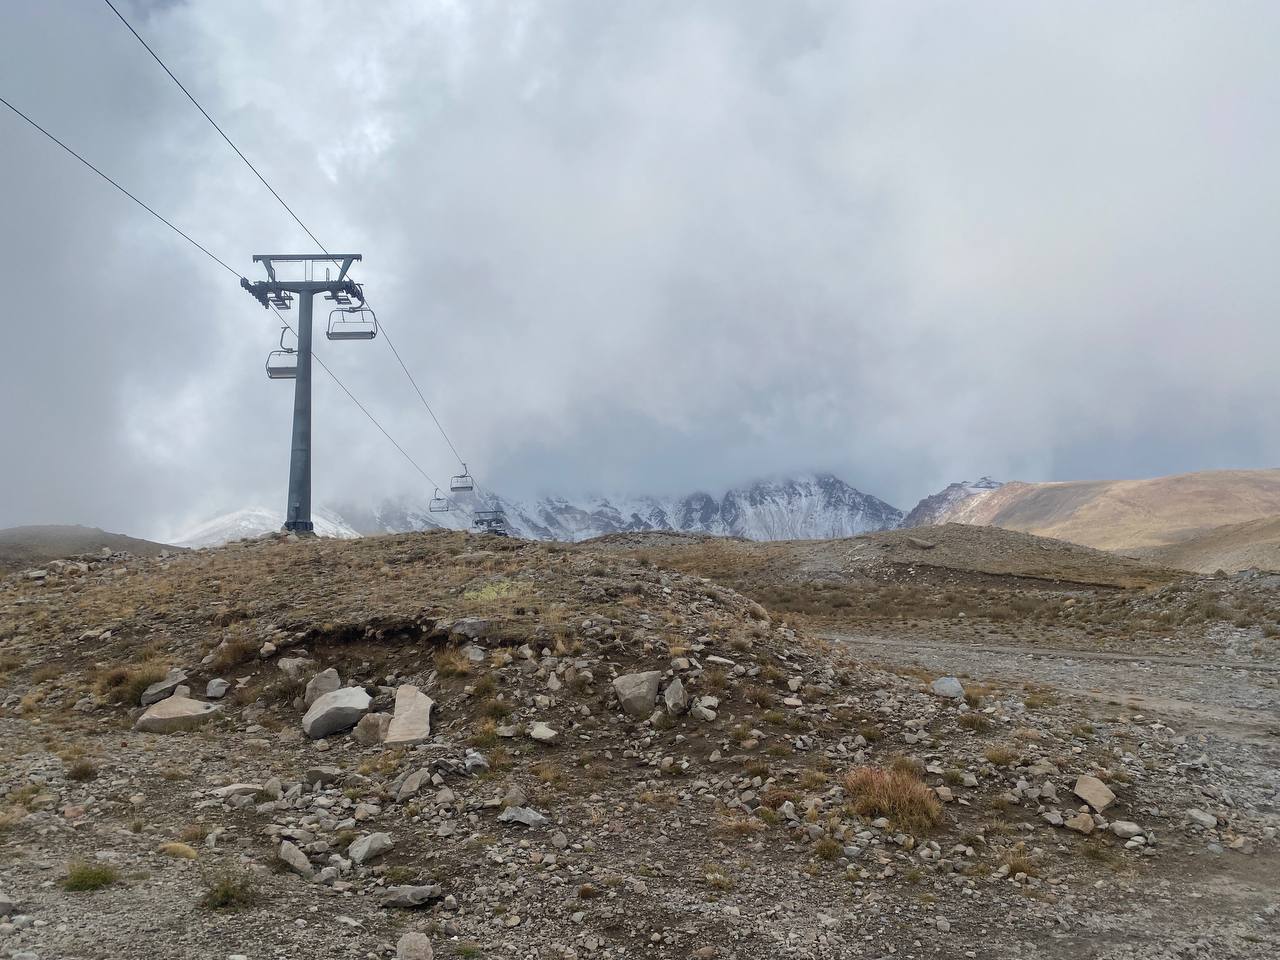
point(808, 506)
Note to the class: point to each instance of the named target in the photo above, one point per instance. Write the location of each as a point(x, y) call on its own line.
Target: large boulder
point(326, 681)
point(336, 711)
point(163, 688)
point(638, 691)
point(175, 713)
point(411, 721)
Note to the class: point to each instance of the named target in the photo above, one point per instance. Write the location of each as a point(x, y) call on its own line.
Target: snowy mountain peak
point(254, 522)
point(802, 507)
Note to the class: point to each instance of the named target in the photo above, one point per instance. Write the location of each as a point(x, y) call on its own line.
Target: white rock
point(336, 711)
point(523, 815)
point(1126, 829)
point(542, 733)
point(174, 714)
point(217, 688)
point(411, 721)
point(948, 687)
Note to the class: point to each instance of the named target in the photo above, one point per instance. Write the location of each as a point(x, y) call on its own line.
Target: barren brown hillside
point(1231, 547)
point(1128, 514)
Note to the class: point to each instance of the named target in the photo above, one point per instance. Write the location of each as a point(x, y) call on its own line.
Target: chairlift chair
point(438, 503)
point(352, 323)
point(463, 482)
point(282, 364)
point(490, 521)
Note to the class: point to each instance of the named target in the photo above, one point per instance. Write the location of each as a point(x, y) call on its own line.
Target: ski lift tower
point(278, 293)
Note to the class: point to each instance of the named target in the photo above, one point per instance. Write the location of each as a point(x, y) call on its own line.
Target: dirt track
point(1238, 699)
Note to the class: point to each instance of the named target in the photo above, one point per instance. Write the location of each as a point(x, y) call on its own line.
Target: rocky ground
point(508, 749)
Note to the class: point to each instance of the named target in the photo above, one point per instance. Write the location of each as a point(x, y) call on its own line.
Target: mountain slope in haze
point(32, 545)
point(936, 508)
point(804, 507)
point(254, 522)
point(1126, 514)
point(1231, 547)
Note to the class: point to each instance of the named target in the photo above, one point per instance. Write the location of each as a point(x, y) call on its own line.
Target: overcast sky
point(646, 246)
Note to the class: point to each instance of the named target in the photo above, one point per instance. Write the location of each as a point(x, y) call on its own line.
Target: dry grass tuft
point(125, 684)
point(83, 875)
point(899, 795)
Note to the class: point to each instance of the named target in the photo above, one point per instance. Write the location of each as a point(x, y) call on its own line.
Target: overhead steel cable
point(222, 263)
point(109, 180)
point(222, 133)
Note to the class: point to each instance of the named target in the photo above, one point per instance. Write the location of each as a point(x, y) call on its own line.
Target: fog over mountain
point(641, 246)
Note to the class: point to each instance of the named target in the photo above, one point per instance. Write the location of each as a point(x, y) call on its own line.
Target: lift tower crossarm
point(275, 292)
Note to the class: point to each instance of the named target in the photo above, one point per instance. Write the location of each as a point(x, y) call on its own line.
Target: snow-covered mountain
point(255, 521)
point(806, 507)
point(939, 507)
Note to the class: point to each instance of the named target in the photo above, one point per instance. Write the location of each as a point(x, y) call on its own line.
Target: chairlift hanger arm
point(345, 259)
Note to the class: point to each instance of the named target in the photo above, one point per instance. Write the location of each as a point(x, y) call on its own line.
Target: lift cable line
point(235, 273)
point(155, 56)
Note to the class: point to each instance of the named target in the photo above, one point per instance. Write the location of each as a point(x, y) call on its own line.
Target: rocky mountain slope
point(810, 506)
point(1124, 514)
point(31, 545)
point(938, 507)
point(334, 748)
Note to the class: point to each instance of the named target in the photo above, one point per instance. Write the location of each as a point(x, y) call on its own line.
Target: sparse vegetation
point(83, 875)
point(897, 794)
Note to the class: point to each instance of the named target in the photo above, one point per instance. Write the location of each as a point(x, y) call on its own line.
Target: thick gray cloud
point(648, 246)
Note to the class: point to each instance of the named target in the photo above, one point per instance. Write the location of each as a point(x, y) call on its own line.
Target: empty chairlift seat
point(463, 482)
point(282, 365)
point(352, 323)
point(438, 503)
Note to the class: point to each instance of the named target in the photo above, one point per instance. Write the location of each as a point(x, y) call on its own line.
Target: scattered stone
point(1200, 817)
point(1126, 829)
point(542, 733)
point(366, 848)
point(677, 700)
point(326, 681)
point(162, 688)
point(175, 714)
point(1080, 823)
point(638, 691)
point(336, 711)
point(522, 815)
point(950, 687)
point(409, 897)
point(371, 729)
point(1093, 792)
point(295, 859)
point(8, 905)
point(217, 688)
point(414, 946)
point(411, 722)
